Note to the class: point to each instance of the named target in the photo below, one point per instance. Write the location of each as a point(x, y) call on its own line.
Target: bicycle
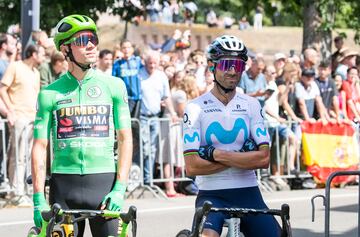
point(233, 223)
point(58, 222)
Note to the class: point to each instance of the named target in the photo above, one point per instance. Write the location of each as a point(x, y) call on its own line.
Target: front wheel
point(184, 233)
point(34, 232)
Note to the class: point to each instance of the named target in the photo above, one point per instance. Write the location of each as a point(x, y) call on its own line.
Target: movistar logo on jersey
point(188, 138)
point(260, 131)
point(226, 136)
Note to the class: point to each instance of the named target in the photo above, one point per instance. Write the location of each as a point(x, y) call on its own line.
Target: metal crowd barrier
point(166, 129)
point(18, 186)
point(326, 200)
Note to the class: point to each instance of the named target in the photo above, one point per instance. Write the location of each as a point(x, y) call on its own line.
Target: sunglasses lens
point(83, 40)
point(229, 64)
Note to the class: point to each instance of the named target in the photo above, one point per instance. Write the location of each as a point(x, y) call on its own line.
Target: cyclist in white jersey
point(225, 140)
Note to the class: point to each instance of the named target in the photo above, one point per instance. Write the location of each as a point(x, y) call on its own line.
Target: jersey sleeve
point(191, 129)
point(122, 118)
point(258, 130)
point(42, 123)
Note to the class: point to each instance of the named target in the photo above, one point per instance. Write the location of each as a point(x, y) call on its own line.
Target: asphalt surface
point(164, 218)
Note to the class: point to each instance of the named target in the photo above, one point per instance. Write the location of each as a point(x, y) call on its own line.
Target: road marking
point(166, 209)
point(16, 223)
point(296, 199)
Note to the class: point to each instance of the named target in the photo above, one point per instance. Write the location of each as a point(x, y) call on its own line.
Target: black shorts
point(74, 191)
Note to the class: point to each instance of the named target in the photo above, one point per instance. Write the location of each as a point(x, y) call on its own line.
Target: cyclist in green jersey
point(81, 110)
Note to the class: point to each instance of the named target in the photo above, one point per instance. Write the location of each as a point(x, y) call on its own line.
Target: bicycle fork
point(233, 227)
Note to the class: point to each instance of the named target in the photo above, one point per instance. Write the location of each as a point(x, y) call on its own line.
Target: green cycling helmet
point(70, 25)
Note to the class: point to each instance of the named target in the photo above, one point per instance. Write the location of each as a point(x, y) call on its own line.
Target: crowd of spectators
point(160, 79)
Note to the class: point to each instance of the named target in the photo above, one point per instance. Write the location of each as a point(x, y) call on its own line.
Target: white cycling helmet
point(226, 45)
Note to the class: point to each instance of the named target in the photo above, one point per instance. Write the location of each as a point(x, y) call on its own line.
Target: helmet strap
point(72, 59)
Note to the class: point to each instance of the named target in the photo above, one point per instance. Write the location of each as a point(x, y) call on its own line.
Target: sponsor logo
point(62, 145)
point(188, 138)
point(208, 102)
point(260, 131)
point(61, 102)
point(66, 122)
point(94, 92)
point(212, 110)
point(224, 136)
point(85, 144)
point(83, 121)
point(60, 96)
point(239, 109)
point(185, 118)
point(262, 113)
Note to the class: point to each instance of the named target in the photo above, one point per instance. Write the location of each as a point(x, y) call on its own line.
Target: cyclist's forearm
point(125, 151)
point(244, 160)
point(38, 165)
point(196, 166)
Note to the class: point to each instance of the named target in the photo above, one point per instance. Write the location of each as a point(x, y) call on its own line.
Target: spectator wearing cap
point(311, 59)
point(328, 90)
point(253, 82)
point(105, 61)
point(347, 59)
point(339, 45)
point(279, 63)
point(308, 97)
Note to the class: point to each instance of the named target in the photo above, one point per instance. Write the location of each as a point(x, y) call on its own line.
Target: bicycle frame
point(235, 218)
point(67, 222)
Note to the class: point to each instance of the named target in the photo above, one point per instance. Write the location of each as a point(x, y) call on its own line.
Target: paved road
point(164, 218)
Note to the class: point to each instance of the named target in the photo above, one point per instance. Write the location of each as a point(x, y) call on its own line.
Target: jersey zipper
point(80, 82)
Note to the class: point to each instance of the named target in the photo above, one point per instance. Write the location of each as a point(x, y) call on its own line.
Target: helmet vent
point(86, 18)
point(64, 27)
point(228, 44)
point(78, 18)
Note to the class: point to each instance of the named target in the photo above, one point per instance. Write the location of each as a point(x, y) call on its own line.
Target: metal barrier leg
point(327, 199)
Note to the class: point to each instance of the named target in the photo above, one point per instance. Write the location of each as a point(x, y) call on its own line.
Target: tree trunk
point(125, 30)
point(314, 33)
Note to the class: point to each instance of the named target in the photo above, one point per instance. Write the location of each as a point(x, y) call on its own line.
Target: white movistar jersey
point(207, 121)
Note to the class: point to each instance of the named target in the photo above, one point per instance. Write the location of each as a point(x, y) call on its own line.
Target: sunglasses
point(229, 64)
point(83, 39)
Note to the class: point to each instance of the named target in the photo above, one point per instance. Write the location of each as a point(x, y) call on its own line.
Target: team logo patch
point(61, 145)
point(94, 92)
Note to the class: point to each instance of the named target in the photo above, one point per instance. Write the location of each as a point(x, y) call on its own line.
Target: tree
point(128, 9)
point(318, 24)
point(51, 11)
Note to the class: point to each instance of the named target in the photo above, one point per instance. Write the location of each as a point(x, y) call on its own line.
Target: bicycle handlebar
point(55, 211)
point(202, 212)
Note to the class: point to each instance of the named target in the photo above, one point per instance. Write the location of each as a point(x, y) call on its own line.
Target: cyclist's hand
point(114, 201)
point(207, 153)
point(249, 145)
point(40, 205)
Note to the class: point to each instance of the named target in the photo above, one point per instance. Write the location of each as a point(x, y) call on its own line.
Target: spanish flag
point(329, 148)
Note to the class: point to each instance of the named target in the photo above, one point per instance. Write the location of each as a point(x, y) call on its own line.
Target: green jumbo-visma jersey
point(82, 116)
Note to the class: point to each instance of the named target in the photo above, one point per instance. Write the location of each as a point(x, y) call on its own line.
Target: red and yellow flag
point(329, 148)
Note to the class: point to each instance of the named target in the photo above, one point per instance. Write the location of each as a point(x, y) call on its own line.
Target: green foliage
point(51, 11)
